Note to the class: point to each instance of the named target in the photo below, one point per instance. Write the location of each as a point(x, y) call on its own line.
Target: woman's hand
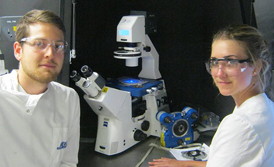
point(167, 162)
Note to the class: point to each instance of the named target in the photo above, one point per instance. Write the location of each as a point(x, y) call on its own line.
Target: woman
point(240, 67)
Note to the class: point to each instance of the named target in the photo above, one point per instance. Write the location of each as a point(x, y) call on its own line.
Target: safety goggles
point(40, 44)
point(231, 66)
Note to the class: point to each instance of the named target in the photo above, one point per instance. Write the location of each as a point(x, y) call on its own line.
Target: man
point(39, 118)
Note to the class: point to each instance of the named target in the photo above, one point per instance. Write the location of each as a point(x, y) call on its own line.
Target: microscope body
point(127, 107)
point(125, 120)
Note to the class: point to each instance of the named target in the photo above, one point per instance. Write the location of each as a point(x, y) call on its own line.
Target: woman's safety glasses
point(231, 67)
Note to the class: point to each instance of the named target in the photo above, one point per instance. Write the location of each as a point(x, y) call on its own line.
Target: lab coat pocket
point(59, 145)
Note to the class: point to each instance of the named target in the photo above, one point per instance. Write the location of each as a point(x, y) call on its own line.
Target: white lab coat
point(38, 130)
point(245, 138)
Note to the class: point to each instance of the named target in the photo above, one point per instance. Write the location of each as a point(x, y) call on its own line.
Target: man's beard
point(42, 77)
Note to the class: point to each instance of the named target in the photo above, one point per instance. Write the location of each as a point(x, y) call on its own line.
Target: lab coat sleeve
point(70, 158)
point(236, 143)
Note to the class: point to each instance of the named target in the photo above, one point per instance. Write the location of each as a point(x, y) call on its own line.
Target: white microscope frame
point(131, 29)
point(116, 125)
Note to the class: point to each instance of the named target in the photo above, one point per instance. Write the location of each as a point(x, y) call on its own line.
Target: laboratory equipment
point(3, 70)
point(7, 38)
point(126, 113)
point(208, 121)
point(126, 106)
point(92, 84)
point(137, 44)
point(177, 127)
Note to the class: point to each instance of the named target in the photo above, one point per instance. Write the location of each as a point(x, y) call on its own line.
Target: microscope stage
point(136, 86)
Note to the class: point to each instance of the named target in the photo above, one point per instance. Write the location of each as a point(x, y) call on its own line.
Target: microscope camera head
point(131, 29)
point(130, 32)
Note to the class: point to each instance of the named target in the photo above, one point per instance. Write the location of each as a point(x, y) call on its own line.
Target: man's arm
point(70, 158)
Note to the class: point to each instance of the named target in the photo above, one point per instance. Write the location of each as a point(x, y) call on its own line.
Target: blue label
point(62, 145)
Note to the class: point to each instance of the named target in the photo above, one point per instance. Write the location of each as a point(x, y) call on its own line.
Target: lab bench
point(129, 158)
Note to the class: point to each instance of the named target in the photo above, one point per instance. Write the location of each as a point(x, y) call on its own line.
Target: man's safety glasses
point(40, 44)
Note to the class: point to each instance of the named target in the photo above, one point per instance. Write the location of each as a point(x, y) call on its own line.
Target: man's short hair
point(36, 16)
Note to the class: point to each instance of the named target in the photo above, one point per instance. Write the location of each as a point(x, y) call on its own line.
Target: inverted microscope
point(126, 107)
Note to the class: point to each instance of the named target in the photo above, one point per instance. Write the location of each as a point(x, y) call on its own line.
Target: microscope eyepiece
point(75, 76)
point(87, 72)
